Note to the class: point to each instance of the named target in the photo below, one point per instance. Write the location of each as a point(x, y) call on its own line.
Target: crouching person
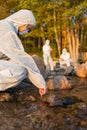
point(65, 60)
point(15, 63)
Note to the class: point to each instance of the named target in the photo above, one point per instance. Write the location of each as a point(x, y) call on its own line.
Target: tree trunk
point(43, 37)
point(77, 44)
point(69, 41)
point(56, 34)
point(73, 41)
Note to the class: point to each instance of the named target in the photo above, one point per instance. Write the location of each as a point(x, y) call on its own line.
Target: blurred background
point(63, 22)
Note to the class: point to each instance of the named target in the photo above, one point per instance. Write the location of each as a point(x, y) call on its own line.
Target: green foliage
point(6, 6)
point(54, 50)
point(65, 12)
point(33, 50)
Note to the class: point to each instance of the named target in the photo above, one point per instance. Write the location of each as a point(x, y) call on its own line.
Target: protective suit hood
point(22, 17)
point(47, 42)
point(64, 51)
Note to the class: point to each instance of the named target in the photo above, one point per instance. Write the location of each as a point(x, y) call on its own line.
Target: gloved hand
point(42, 91)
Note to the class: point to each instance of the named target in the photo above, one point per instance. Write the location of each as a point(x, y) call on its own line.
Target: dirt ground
point(28, 111)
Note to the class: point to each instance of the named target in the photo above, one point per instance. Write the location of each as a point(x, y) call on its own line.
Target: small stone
point(52, 100)
point(19, 99)
point(83, 123)
point(81, 70)
point(58, 82)
point(32, 98)
point(50, 84)
point(52, 73)
point(5, 97)
point(69, 71)
point(40, 64)
point(65, 84)
point(57, 102)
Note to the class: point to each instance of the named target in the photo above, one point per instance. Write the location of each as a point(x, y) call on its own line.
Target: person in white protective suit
point(15, 63)
point(64, 58)
point(47, 55)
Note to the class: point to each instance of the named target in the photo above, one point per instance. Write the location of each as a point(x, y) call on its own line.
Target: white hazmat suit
point(47, 55)
point(65, 58)
point(19, 64)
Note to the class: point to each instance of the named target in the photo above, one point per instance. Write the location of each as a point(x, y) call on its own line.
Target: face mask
point(25, 31)
point(64, 52)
